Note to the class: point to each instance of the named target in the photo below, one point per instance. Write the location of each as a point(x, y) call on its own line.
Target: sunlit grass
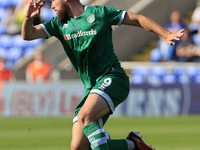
point(177, 133)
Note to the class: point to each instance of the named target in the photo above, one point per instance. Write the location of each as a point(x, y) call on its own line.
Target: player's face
point(62, 9)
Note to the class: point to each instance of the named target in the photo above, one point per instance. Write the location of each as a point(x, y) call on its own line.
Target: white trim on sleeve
point(122, 18)
point(45, 30)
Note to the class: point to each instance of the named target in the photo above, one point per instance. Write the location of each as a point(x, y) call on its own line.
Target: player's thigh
point(79, 140)
point(94, 108)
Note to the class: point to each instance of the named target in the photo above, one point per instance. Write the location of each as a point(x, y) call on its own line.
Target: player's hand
point(33, 9)
point(174, 36)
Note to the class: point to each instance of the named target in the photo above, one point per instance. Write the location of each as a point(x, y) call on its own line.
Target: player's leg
point(99, 103)
point(94, 108)
point(89, 115)
point(79, 140)
point(108, 93)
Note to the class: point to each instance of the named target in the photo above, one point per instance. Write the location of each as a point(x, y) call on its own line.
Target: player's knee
point(85, 119)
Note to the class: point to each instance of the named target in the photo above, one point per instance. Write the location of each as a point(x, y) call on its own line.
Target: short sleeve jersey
point(87, 40)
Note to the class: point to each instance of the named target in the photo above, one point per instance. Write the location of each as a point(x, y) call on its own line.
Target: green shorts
point(114, 88)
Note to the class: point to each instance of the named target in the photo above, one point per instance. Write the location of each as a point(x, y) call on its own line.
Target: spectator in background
point(196, 38)
point(165, 52)
point(186, 50)
point(175, 23)
point(38, 70)
point(7, 20)
point(15, 17)
point(195, 19)
point(6, 75)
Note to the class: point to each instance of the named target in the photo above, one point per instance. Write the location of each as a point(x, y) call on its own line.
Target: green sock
point(96, 136)
point(99, 141)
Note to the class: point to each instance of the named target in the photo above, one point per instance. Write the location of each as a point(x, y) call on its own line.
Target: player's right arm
point(150, 25)
point(29, 31)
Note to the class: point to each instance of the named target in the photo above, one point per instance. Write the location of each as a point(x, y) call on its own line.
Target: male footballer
point(86, 35)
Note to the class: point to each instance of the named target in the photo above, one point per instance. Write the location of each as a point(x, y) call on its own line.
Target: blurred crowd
point(13, 47)
point(185, 50)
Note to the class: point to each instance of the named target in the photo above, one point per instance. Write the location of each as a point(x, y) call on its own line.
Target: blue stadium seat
point(14, 2)
point(6, 41)
point(156, 74)
point(47, 13)
point(158, 71)
point(197, 79)
point(2, 13)
point(28, 51)
point(169, 78)
point(192, 73)
point(139, 74)
point(14, 54)
point(3, 29)
point(181, 75)
point(19, 42)
point(4, 3)
point(2, 52)
point(9, 64)
point(34, 43)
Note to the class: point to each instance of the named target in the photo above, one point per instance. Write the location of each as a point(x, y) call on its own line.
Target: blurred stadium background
point(164, 96)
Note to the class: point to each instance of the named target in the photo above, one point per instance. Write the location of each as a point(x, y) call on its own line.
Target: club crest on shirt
point(65, 25)
point(90, 18)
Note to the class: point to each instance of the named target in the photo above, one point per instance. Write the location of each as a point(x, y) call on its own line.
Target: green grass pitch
point(177, 133)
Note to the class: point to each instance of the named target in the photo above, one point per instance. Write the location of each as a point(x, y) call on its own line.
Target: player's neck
point(77, 9)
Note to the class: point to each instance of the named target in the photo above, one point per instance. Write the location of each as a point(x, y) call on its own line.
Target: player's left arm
point(150, 25)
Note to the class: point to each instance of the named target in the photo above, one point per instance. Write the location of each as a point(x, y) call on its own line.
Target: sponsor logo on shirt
point(80, 34)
